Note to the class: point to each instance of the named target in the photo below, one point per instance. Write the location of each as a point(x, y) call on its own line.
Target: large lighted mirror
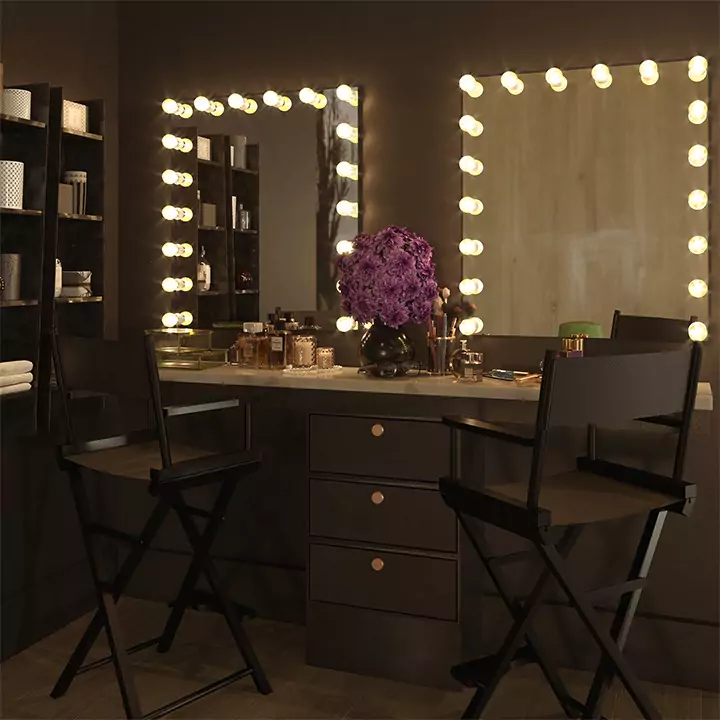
point(585, 191)
point(275, 197)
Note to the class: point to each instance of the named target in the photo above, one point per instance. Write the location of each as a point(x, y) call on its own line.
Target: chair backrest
point(651, 329)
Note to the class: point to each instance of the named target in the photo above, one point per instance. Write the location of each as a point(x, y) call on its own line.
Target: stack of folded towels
point(15, 377)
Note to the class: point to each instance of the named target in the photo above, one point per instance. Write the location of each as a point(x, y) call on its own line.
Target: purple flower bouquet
point(389, 277)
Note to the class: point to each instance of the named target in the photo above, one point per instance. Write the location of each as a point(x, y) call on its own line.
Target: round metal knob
point(377, 430)
point(377, 564)
point(377, 497)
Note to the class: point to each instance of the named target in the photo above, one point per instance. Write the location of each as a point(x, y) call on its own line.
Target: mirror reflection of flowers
point(390, 277)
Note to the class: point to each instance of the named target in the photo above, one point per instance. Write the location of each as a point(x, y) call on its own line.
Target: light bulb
point(471, 86)
point(344, 247)
point(170, 249)
point(470, 125)
point(173, 107)
point(649, 73)
point(345, 323)
point(698, 331)
point(347, 132)
point(310, 97)
point(468, 246)
point(185, 317)
point(698, 288)
point(471, 326)
point(347, 208)
point(173, 142)
point(471, 205)
point(555, 79)
point(697, 68)
point(238, 102)
point(697, 112)
point(273, 99)
point(512, 83)
point(170, 212)
point(602, 76)
point(172, 177)
point(697, 155)
point(202, 103)
point(470, 165)
point(216, 108)
point(170, 320)
point(347, 94)
point(697, 199)
point(347, 170)
point(185, 284)
point(470, 286)
point(697, 244)
point(170, 284)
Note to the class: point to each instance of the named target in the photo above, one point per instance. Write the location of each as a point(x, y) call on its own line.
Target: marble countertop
point(348, 380)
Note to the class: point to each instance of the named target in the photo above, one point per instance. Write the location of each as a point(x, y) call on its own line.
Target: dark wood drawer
point(382, 514)
point(379, 447)
point(380, 580)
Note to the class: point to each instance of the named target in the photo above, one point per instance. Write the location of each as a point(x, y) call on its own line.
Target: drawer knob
point(377, 498)
point(377, 564)
point(377, 430)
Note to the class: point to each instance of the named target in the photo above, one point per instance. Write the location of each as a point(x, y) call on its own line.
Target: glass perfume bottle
point(466, 365)
point(204, 272)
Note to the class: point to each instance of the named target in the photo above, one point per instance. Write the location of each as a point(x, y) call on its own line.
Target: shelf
point(73, 216)
point(246, 232)
point(78, 300)
point(21, 121)
point(79, 133)
point(17, 303)
point(212, 163)
point(247, 292)
point(210, 228)
point(209, 293)
point(245, 171)
point(24, 211)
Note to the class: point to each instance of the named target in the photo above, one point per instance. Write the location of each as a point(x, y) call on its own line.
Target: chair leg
point(610, 650)
point(519, 630)
point(626, 611)
point(227, 608)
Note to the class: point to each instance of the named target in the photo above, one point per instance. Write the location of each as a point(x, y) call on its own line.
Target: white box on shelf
point(203, 148)
point(17, 102)
point(11, 184)
point(75, 116)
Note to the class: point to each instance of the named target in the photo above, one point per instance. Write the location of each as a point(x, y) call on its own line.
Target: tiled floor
point(203, 652)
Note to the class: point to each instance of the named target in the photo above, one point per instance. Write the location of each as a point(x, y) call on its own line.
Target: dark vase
point(385, 350)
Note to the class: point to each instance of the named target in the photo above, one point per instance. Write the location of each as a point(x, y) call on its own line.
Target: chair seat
point(576, 498)
point(133, 461)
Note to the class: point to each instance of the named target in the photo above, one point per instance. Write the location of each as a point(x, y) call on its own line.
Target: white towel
point(6, 380)
point(17, 367)
point(12, 389)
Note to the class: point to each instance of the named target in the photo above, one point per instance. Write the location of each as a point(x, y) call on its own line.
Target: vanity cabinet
point(383, 565)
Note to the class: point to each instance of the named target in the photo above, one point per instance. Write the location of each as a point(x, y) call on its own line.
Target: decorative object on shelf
point(466, 365)
point(74, 116)
point(204, 272)
point(10, 265)
point(76, 291)
point(389, 280)
point(304, 351)
point(78, 180)
point(243, 218)
point(204, 149)
point(238, 151)
point(208, 215)
point(11, 184)
point(325, 358)
point(17, 103)
point(65, 199)
point(58, 278)
point(76, 277)
point(233, 211)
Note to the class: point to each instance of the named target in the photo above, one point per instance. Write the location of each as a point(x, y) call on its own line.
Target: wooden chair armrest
point(490, 430)
point(202, 470)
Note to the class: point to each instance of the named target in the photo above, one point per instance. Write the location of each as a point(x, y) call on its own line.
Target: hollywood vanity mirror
point(272, 181)
point(585, 191)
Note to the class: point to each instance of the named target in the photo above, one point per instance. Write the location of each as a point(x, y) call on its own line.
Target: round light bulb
point(347, 170)
point(601, 75)
point(698, 331)
point(186, 179)
point(347, 208)
point(470, 125)
point(307, 95)
point(470, 165)
point(185, 111)
point(518, 88)
point(236, 101)
point(170, 106)
point(170, 212)
point(186, 250)
point(469, 246)
point(698, 288)
point(470, 286)
point(170, 141)
point(170, 249)
point(697, 244)
point(186, 214)
point(347, 132)
point(698, 199)
point(170, 177)
point(184, 284)
point(347, 94)
point(216, 108)
point(202, 103)
point(508, 79)
point(471, 205)
point(560, 86)
point(697, 155)
point(170, 320)
point(345, 323)
point(344, 247)
point(556, 79)
point(250, 106)
point(271, 98)
point(697, 112)
point(649, 73)
point(471, 326)
point(185, 317)
point(471, 86)
point(697, 68)
point(170, 284)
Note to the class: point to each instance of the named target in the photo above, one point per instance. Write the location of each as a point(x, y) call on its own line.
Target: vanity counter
point(347, 379)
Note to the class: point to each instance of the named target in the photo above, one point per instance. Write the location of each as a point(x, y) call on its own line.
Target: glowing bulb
point(697, 199)
point(345, 323)
point(697, 155)
point(470, 125)
point(555, 79)
point(697, 244)
point(698, 331)
point(273, 99)
point(173, 107)
point(202, 103)
point(697, 112)
point(512, 83)
point(468, 246)
point(347, 170)
point(238, 102)
point(471, 86)
point(471, 205)
point(470, 165)
point(337, 286)
point(344, 247)
point(347, 208)
point(216, 108)
point(172, 177)
point(649, 73)
point(173, 142)
point(170, 284)
point(602, 76)
point(170, 212)
point(310, 97)
point(185, 317)
point(471, 286)
point(698, 288)
point(170, 249)
point(697, 68)
point(347, 94)
point(347, 132)
point(471, 326)
point(170, 320)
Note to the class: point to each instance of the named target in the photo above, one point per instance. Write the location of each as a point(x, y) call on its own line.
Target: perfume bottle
point(466, 365)
point(251, 347)
point(204, 272)
point(574, 346)
point(243, 217)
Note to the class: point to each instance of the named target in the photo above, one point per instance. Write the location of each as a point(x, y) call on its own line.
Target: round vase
point(383, 348)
